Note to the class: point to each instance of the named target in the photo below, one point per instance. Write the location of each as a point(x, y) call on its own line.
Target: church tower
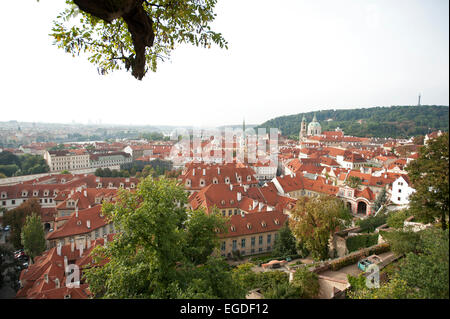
point(302, 134)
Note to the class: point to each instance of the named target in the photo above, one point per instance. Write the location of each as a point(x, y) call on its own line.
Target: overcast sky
point(284, 57)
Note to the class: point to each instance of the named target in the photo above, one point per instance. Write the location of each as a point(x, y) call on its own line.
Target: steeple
point(314, 118)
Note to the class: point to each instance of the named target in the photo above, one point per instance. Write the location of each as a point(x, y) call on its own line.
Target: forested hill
point(393, 121)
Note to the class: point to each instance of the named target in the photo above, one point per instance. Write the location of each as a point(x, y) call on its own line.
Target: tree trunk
point(139, 24)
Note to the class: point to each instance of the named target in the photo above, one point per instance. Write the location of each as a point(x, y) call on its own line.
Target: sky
point(285, 57)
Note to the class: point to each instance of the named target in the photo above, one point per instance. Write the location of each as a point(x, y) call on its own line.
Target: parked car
point(364, 263)
point(7, 228)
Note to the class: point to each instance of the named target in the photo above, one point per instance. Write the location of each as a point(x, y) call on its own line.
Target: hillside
point(393, 121)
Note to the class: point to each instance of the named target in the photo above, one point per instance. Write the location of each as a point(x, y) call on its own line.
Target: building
point(67, 160)
point(251, 233)
point(314, 127)
point(401, 190)
point(109, 159)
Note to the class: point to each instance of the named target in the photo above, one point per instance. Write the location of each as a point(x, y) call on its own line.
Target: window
point(234, 244)
point(260, 240)
point(223, 245)
point(269, 239)
point(243, 243)
point(399, 190)
point(398, 198)
point(230, 212)
point(253, 241)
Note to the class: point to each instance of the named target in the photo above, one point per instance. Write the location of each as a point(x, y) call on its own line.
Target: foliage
point(107, 172)
point(33, 236)
point(16, 218)
point(151, 256)
point(353, 181)
point(111, 47)
point(155, 136)
point(314, 220)
point(402, 242)
point(430, 178)
point(380, 200)
point(381, 122)
point(307, 282)
point(354, 257)
point(361, 241)
point(396, 219)
point(285, 243)
point(370, 223)
point(423, 273)
point(201, 235)
point(13, 165)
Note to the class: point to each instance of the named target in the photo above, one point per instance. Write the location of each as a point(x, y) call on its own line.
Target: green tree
point(201, 235)
point(396, 219)
point(147, 258)
point(430, 178)
point(285, 243)
point(315, 219)
point(353, 181)
point(307, 282)
point(33, 236)
point(133, 34)
point(16, 218)
point(380, 200)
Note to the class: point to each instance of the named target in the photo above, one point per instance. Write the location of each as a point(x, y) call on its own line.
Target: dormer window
point(99, 185)
point(222, 202)
point(263, 224)
point(249, 178)
point(110, 185)
point(215, 181)
point(188, 183)
point(202, 182)
point(4, 194)
point(24, 193)
point(249, 226)
point(231, 202)
point(276, 221)
point(132, 185)
point(121, 185)
point(233, 228)
point(239, 179)
point(46, 192)
point(35, 193)
point(227, 180)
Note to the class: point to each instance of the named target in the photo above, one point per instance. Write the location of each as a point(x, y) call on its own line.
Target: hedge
point(361, 241)
point(356, 256)
point(263, 260)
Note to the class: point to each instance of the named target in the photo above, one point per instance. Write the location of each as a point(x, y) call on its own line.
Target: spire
point(314, 118)
point(303, 118)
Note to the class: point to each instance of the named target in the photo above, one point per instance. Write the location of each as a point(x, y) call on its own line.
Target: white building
point(66, 160)
point(401, 191)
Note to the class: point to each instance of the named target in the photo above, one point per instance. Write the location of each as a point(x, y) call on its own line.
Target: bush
point(361, 241)
point(396, 219)
point(369, 224)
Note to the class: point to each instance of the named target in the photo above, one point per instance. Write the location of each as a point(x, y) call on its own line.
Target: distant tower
point(302, 129)
point(419, 99)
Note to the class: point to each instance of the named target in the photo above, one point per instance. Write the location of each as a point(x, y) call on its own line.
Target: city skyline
point(311, 57)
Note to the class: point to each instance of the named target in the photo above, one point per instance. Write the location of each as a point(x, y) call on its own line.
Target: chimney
point(57, 284)
point(46, 278)
point(260, 206)
point(81, 250)
point(88, 224)
point(204, 172)
point(231, 187)
point(218, 170)
point(193, 172)
point(72, 246)
point(85, 193)
point(88, 243)
point(242, 214)
point(239, 196)
point(65, 263)
point(58, 249)
point(76, 211)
